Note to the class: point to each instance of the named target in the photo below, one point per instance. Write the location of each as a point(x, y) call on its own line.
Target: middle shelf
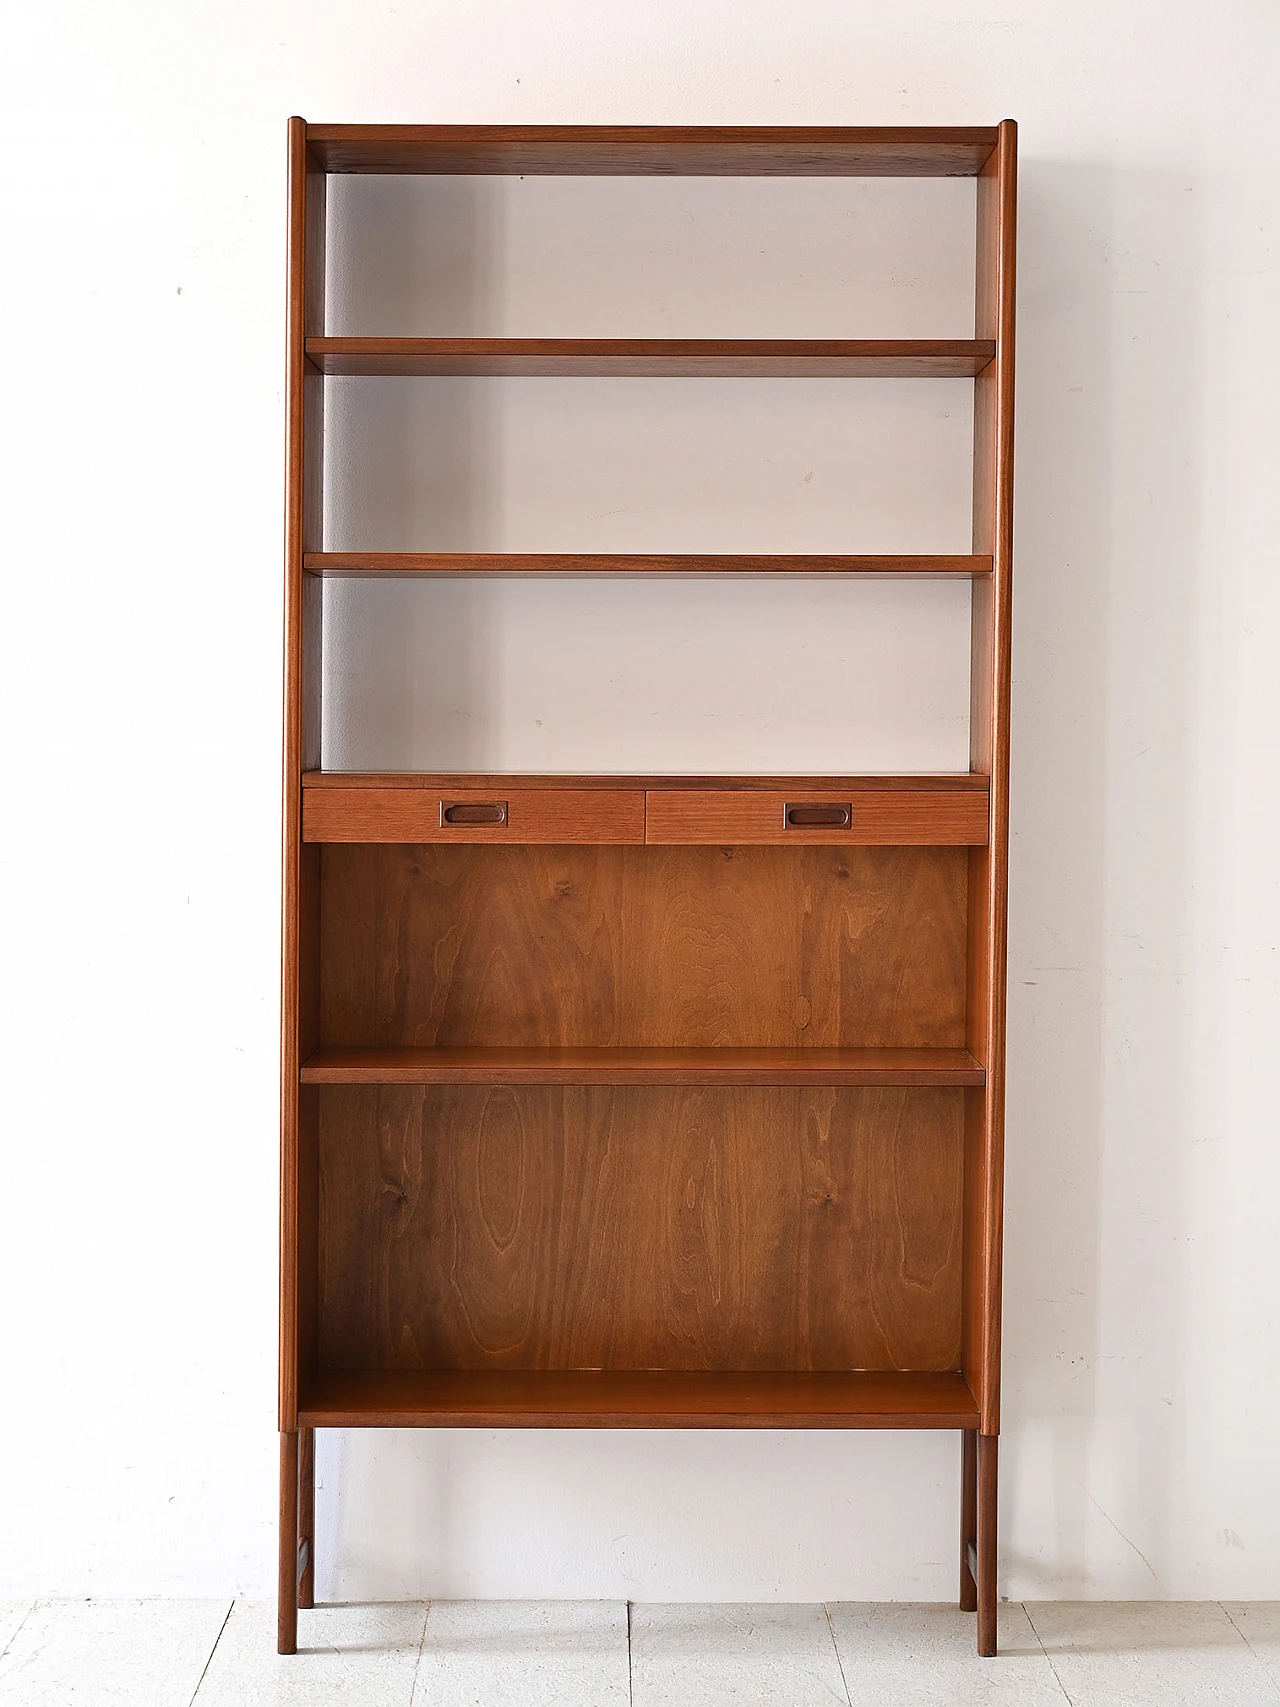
point(710, 358)
point(629, 1066)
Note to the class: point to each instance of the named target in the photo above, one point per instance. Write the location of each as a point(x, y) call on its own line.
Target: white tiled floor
point(923, 1656)
point(110, 1653)
point(153, 1653)
point(713, 1654)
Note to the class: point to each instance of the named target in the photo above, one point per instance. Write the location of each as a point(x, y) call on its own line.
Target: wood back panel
point(589, 1227)
point(643, 946)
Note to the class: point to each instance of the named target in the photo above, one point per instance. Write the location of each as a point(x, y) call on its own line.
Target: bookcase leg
point(968, 1518)
point(307, 1516)
point(986, 1548)
point(287, 1588)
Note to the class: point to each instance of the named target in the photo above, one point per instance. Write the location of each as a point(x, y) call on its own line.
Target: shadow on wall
point(1099, 1096)
point(433, 456)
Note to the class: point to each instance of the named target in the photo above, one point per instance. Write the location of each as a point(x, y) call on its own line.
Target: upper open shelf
point(422, 564)
point(748, 151)
point(653, 358)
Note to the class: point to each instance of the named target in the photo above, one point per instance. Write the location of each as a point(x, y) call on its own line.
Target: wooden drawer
point(864, 817)
point(472, 815)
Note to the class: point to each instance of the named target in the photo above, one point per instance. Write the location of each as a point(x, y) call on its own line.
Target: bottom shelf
point(633, 1398)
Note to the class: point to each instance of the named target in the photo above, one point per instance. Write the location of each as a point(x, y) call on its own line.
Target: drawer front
point(866, 818)
point(470, 815)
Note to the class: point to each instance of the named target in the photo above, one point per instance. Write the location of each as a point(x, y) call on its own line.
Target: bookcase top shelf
point(652, 358)
point(749, 151)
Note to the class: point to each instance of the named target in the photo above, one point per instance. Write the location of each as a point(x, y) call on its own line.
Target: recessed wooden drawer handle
point(473, 811)
point(806, 815)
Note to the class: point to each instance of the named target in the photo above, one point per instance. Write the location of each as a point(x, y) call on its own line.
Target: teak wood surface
point(634, 1398)
point(722, 1065)
point(989, 756)
point(864, 817)
point(529, 815)
point(644, 1101)
point(601, 1227)
point(642, 947)
point(446, 782)
point(652, 358)
point(905, 151)
point(423, 564)
point(877, 818)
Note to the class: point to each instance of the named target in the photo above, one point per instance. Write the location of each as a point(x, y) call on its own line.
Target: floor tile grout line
point(1272, 1678)
point(422, 1642)
point(631, 1682)
point(1026, 1613)
point(844, 1681)
point(31, 1606)
point(204, 1670)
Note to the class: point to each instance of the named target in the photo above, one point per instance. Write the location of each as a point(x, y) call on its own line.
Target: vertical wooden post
point(988, 1448)
point(307, 1515)
point(287, 1587)
point(989, 680)
point(968, 1517)
point(300, 972)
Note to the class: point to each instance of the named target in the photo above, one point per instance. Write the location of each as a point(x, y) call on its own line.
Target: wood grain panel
point(643, 947)
point(652, 358)
point(902, 151)
point(530, 815)
point(347, 1066)
point(877, 818)
point(410, 564)
point(300, 961)
point(635, 1398)
point(989, 755)
point(586, 1227)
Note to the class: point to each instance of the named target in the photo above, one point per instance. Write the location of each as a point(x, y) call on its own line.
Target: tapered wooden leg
point(307, 1515)
point(987, 1449)
point(287, 1588)
point(968, 1517)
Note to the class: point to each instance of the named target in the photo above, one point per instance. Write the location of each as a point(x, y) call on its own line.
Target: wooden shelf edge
point(932, 151)
point(634, 1399)
point(868, 782)
point(723, 358)
point(626, 1066)
point(421, 564)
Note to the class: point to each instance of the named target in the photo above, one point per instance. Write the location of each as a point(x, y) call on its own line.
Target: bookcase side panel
point(989, 754)
point(300, 978)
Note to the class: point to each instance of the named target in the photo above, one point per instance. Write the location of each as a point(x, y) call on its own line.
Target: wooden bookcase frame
point(959, 824)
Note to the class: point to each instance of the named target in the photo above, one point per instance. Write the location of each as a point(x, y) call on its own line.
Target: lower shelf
point(720, 1066)
point(641, 1398)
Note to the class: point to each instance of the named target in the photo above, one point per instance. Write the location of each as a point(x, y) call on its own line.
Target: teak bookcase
point(638, 1101)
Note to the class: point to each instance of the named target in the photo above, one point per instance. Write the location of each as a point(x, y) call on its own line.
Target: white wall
point(144, 211)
